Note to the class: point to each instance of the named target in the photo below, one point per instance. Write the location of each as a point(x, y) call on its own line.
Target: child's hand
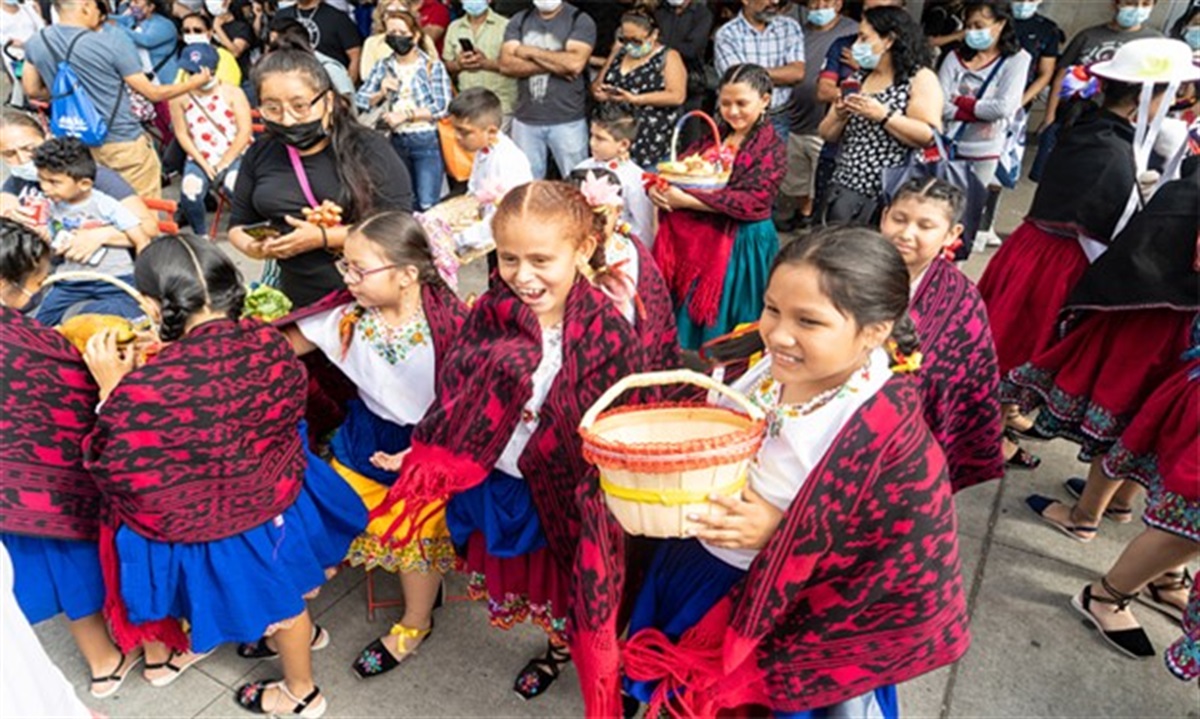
point(750, 522)
point(389, 462)
point(84, 243)
point(107, 361)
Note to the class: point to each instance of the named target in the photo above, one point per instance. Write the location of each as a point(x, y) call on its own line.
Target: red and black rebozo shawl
point(47, 407)
point(693, 248)
point(858, 588)
point(656, 330)
point(960, 376)
point(201, 443)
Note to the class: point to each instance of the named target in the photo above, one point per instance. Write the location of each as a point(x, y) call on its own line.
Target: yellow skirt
point(431, 550)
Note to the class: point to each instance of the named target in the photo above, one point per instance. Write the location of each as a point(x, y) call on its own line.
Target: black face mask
point(302, 135)
point(400, 44)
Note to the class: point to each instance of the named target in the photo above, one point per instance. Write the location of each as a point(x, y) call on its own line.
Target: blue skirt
point(52, 576)
point(754, 249)
point(683, 583)
point(233, 589)
point(502, 509)
point(882, 703)
point(362, 435)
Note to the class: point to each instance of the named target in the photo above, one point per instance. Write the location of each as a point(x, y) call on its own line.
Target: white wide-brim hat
point(1149, 61)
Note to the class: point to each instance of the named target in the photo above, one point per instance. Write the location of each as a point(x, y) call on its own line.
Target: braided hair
point(22, 252)
point(185, 275)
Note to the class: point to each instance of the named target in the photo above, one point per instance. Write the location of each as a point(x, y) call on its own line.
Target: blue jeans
point(568, 142)
point(87, 296)
point(194, 188)
point(1047, 140)
point(421, 153)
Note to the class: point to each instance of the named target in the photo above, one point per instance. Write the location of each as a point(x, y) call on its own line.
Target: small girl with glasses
point(388, 334)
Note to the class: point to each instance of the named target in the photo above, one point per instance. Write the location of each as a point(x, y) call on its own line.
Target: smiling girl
point(714, 248)
point(806, 596)
point(500, 443)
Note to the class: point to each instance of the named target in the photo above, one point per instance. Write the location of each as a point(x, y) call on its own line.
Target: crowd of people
point(181, 472)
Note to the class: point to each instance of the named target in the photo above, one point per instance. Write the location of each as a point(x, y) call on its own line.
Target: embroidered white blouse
point(543, 380)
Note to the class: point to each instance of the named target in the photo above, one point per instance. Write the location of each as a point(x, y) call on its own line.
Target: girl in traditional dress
point(958, 376)
point(500, 443)
point(219, 513)
point(714, 247)
point(49, 505)
point(1161, 450)
point(1127, 323)
point(807, 595)
point(389, 333)
point(1029, 279)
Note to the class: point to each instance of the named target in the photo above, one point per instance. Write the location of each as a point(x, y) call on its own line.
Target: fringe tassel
point(126, 634)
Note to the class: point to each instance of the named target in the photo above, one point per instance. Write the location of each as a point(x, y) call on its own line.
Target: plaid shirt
point(782, 43)
point(431, 85)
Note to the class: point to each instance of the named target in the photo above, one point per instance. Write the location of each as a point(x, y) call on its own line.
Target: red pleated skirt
point(531, 587)
point(1090, 383)
point(1024, 287)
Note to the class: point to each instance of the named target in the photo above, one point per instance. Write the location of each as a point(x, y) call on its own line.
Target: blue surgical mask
point(1192, 37)
point(475, 8)
point(12, 2)
point(25, 171)
point(866, 58)
point(979, 39)
point(1130, 16)
point(821, 16)
point(1024, 10)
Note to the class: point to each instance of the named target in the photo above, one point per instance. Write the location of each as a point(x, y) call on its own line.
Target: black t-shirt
point(1040, 37)
point(332, 31)
point(267, 189)
point(241, 30)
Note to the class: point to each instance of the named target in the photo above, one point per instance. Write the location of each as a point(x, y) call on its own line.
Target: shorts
point(803, 153)
point(136, 162)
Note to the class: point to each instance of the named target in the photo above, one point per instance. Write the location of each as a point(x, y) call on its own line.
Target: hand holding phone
point(466, 45)
point(262, 231)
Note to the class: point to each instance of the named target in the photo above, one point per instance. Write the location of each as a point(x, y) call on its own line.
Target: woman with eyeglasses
point(651, 77)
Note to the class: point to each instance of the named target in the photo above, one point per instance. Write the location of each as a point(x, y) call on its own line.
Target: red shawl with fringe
point(656, 323)
point(858, 588)
point(197, 445)
point(693, 248)
point(960, 376)
point(47, 407)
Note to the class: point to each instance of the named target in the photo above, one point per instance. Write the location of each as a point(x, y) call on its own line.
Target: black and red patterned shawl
point(482, 390)
point(201, 443)
point(959, 377)
point(693, 248)
point(47, 407)
point(858, 588)
point(656, 330)
point(443, 310)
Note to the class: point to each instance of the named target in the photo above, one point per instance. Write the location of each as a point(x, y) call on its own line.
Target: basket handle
point(712, 125)
point(654, 379)
point(85, 275)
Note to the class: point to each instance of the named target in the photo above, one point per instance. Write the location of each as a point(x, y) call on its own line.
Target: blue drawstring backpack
point(72, 112)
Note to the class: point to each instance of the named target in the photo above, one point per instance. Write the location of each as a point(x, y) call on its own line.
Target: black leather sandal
point(117, 677)
point(1134, 642)
point(1151, 595)
point(540, 673)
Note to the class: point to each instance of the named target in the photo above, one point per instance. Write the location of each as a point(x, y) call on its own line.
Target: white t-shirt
point(638, 211)
point(393, 369)
point(497, 169)
point(796, 443)
point(543, 380)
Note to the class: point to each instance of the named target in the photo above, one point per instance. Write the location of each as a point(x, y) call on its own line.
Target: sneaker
point(989, 237)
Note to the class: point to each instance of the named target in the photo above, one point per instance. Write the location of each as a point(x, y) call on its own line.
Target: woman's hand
point(866, 107)
point(389, 462)
point(84, 243)
point(389, 85)
point(108, 362)
point(620, 94)
point(841, 109)
point(750, 522)
point(670, 198)
point(305, 237)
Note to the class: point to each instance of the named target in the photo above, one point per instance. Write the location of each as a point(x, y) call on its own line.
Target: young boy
point(88, 230)
point(614, 128)
point(476, 115)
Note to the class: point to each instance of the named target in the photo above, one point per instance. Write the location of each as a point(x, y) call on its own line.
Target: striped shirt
point(781, 43)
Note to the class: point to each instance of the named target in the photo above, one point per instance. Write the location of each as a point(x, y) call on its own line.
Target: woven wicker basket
point(660, 462)
point(695, 182)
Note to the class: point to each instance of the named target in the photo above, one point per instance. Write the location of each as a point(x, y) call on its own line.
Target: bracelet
point(324, 238)
point(887, 117)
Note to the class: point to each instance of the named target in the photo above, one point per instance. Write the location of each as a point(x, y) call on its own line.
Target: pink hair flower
point(600, 193)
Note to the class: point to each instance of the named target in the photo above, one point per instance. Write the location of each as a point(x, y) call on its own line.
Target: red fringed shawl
point(693, 248)
point(858, 588)
point(960, 376)
point(47, 407)
point(482, 390)
point(656, 331)
point(201, 443)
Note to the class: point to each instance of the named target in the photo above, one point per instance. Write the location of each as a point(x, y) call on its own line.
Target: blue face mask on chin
point(866, 58)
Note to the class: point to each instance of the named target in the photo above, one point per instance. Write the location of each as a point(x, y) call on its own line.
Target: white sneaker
point(987, 238)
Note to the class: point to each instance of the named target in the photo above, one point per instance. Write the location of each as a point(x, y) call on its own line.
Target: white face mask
point(25, 171)
point(547, 6)
point(215, 7)
point(676, 3)
point(210, 85)
point(195, 39)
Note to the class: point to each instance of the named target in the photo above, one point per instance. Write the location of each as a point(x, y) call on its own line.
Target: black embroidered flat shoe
point(540, 673)
point(250, 697)
point(377, 659)
point(261, 650)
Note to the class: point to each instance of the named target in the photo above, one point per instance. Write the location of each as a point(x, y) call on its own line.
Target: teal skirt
point(754, 248)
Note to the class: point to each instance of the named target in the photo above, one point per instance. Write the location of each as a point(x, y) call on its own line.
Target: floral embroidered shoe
point(377, 659)
point(262, 650)
point(251, 697)
point(540, 673)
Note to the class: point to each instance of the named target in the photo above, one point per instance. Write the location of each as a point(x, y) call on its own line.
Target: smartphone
point(850, 86)
point(262, 230)
point(466, 45)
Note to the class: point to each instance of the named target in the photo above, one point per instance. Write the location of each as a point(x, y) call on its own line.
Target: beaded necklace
point(768, 392)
